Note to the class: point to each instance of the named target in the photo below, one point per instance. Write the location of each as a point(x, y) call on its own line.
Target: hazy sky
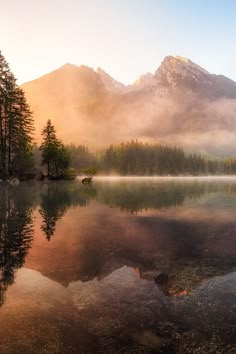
point(124, 37)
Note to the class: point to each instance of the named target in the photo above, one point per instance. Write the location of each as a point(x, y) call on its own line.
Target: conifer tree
point(54, 153)
point(49, 145)
point(16, 124)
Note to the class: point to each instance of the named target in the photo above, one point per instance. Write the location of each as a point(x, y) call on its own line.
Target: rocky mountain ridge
point(181, 103)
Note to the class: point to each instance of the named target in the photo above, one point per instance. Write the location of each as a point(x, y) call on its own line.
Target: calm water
point(123, 266)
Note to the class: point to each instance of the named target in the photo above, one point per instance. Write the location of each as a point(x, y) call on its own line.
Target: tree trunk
point(1, 140)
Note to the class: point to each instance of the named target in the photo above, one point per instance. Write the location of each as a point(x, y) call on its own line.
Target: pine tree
point(54, 153)
point(16, 124)
point(49, 146)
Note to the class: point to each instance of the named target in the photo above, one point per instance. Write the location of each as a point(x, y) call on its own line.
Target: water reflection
point(177, 230)
point(153, 244)
point(16, 234)
point(136, 196)
point(132, 279)
point(54, 204)
point(120, 314)
point(56, 199)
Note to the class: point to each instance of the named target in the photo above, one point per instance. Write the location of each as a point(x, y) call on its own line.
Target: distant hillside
point(181, 103)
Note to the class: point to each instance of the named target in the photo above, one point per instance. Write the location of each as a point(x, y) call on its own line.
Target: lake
point(126, 265)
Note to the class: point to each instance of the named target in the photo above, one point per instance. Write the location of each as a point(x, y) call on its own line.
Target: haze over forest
point(179, 104)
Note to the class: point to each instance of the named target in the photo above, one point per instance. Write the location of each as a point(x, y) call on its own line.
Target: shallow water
point(122, 266)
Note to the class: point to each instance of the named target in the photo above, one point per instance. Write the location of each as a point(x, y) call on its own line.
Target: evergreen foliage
point(16, 125)
point(17, 155)
point(137, 158)
point(81, 157)
point(54, 153)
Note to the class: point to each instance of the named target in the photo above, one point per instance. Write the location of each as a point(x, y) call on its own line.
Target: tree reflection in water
point(16, 224)
point(54, 199)
point(141, 195)
point(16, 234)
point(53, 207)
point(57, 198)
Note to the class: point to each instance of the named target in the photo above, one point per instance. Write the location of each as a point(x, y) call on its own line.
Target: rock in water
point(162, 282)
point(14, 182)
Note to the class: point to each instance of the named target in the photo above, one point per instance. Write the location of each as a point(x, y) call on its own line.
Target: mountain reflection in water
point(92, 256)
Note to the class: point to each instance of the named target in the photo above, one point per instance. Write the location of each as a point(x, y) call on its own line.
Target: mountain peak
point(178, 64)
point(101, 71)
point(110, 83)
point(68, 66)
point(176, 69)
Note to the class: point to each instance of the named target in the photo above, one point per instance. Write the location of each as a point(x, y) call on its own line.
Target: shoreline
point(219, 177)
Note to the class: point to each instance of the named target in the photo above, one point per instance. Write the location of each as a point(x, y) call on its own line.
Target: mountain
point(179, 72)
point(181, 103)
point(110, 83)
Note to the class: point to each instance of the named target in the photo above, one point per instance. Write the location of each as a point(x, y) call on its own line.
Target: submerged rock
point(150, 275)
point(162, 282)
point(162, 279)
point(14, 182)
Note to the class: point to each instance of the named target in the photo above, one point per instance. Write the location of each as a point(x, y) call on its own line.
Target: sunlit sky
point(124, 37)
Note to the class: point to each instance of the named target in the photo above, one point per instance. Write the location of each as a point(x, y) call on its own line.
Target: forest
point(21, 157)
point(143, 159)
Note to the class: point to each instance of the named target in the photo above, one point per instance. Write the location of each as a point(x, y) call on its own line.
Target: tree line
point(137, 158)
point(20, 157)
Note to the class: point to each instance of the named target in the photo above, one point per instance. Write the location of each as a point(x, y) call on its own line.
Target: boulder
point(14, 181)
